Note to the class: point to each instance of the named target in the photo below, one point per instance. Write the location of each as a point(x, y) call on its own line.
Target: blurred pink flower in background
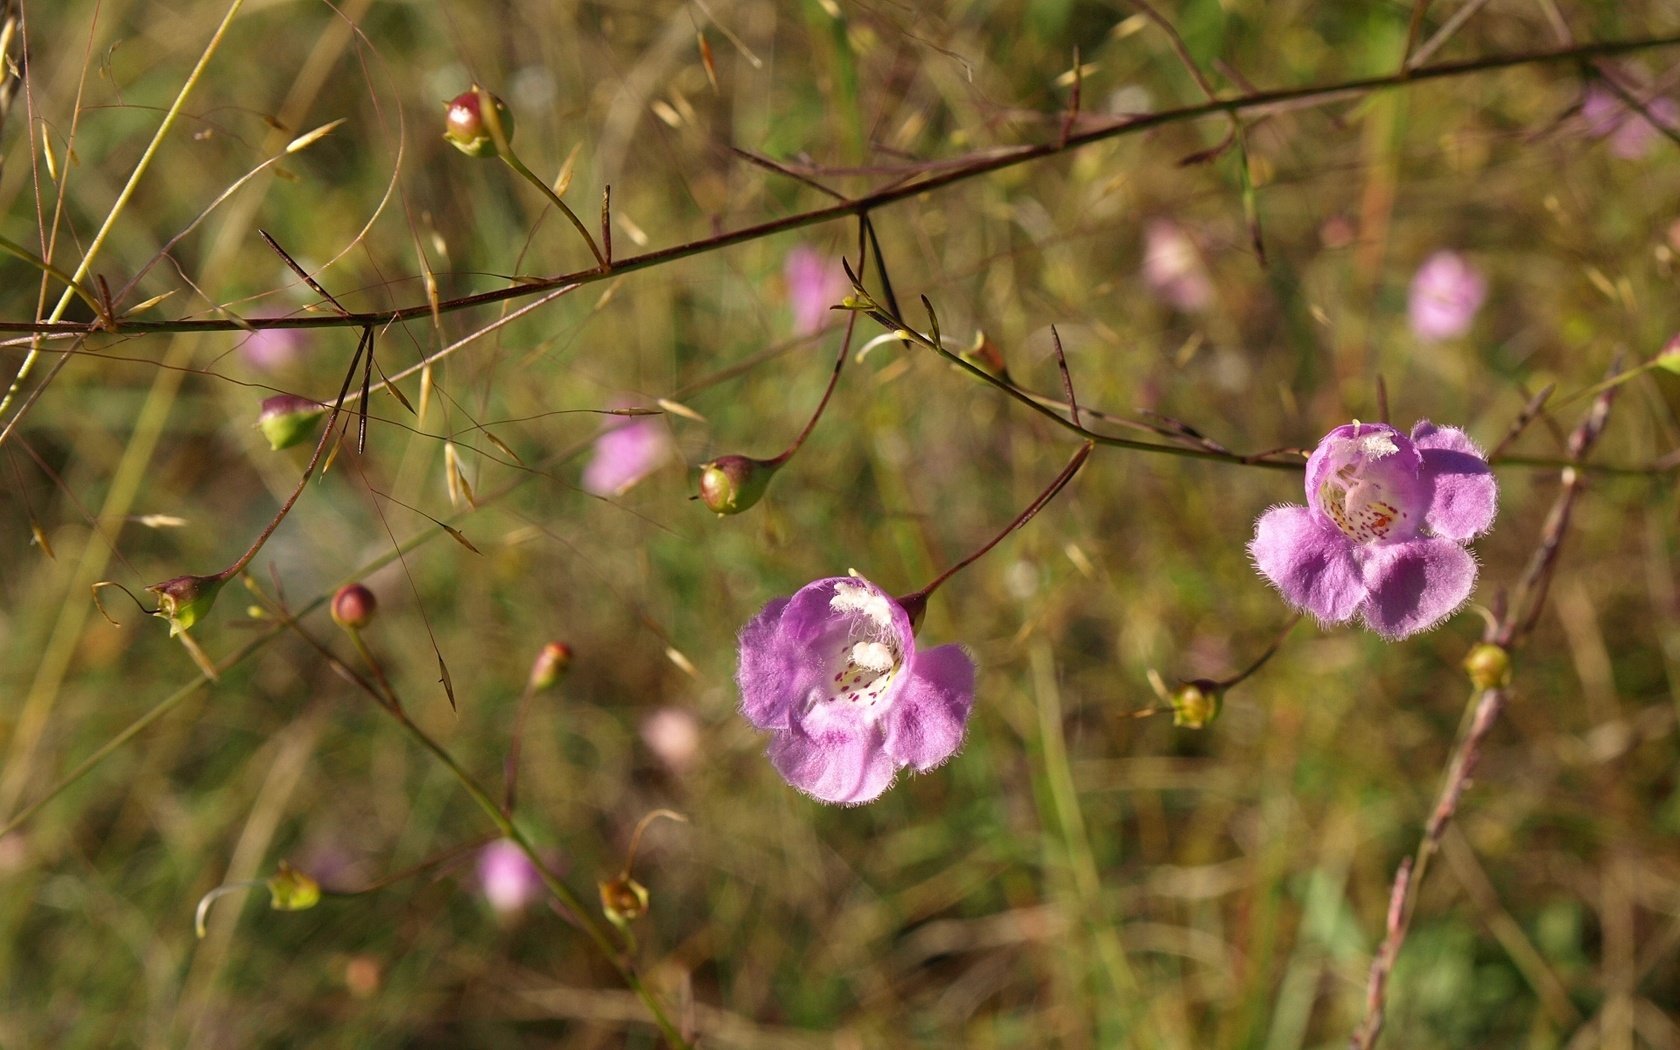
point(507, 878)
point(1446, 293)
point(1173, 268)
point(673, 735)
point(271, 349)
point(814, 283)
point(629, 450)
point(1630, 132)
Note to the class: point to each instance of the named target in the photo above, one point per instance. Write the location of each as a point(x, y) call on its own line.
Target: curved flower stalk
point(834, 675)
point(1382, 535)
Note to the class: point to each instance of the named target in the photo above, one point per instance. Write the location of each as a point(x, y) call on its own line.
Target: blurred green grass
point(1076, 876)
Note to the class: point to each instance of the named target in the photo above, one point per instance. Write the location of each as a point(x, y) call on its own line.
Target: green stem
point(530, 176)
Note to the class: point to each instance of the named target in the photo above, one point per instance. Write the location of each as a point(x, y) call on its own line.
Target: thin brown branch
point(1506, 634)
point(961, 171)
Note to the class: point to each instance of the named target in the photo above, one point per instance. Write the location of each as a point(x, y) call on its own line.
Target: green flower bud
point(550, 665)
point(1488, 666)
point(292, 890)
point(353, 606)
point(731, 484)
point(1669, 359)
point(1196, 704)
point(286, 419)
point(466, 128)
point(184, 600)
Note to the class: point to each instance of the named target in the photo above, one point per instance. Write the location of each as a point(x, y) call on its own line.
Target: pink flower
point(626, 452)
point(834, 675)
point(673, 735)
point(1382, 535)
point(814, 283)
point(507, 877)
point(1446, 293)
point(271, 349)
point(1630, 132)
point(1173, 268)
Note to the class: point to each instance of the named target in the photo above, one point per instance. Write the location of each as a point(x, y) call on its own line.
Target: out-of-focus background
point(1076, 876)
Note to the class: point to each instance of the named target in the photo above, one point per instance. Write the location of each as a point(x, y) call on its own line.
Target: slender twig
point(364, 344)
point(1044, 407)
point(1067, 377)
point(534, 179)
point(1519, 424)
point(1505, 633)
point(1413, 26)
point(916, 602)
point(958, 171)
point(507, 828)
point(1530, 595)
point(1640, 106)
point(828, 391)
point(118, 206)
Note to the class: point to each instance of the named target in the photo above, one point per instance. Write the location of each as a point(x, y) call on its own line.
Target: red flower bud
point(353, 606)
point(470, 130)
point(550, 665)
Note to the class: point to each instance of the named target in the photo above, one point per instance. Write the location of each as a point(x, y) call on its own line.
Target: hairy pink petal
point(768, 673)
point(1465, 496)
point(1309, 562)
point(1416, 585)
point(848, 767)
point(927, 724)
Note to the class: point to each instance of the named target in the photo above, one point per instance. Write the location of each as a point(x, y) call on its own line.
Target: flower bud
point(292, 890)
point(468, 130)
point(353, 607)
point(1488, 666)
point(550, 665)
point(623, 900)
point(286, 419)
point(1669, 359)
point(184, 600)
point(731, 484)
point(1196, 704)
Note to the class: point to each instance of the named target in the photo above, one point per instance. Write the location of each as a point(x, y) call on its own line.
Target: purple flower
point(1446, 293)
point(1173, 269)
point(1382, 535)
point(271, 349)
point(1630, 132)
point(814, 283)
point(625, 453)
point(834, 675)
point(507, 877)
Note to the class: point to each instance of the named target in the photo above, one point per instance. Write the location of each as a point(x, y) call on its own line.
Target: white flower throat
point(1356, 493)
point(862, 668)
